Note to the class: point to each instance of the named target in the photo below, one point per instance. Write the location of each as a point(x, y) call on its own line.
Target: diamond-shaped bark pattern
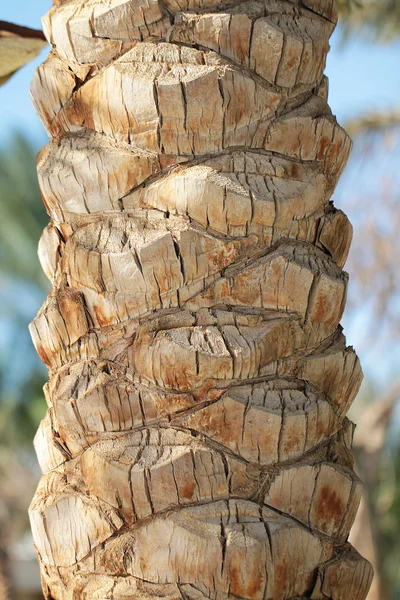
point(196, 444)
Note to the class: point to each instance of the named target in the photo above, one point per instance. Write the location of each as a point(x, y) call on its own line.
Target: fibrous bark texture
point(196, 444)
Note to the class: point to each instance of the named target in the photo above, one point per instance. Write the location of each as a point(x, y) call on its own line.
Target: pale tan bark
point(196, 443)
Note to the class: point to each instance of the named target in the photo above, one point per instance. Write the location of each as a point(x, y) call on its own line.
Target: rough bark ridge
point(196, 444)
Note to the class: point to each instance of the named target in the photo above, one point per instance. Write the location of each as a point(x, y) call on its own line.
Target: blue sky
point(363, 76)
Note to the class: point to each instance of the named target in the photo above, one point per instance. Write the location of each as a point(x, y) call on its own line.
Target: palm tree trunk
point(196, 443)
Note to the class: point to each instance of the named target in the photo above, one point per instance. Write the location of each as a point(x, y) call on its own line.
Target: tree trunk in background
point(3, 587)
point(196, 444)
point(4, 574)
point(369, 442)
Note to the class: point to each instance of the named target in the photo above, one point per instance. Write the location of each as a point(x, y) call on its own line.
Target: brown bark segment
point(196, 443)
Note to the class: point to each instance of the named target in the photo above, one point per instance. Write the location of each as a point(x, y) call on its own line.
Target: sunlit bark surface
point(196, 443)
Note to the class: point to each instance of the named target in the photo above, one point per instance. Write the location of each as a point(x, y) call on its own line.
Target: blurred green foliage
point(22, 213)
point(387, 501)
point(376, 18)
point(22, 289)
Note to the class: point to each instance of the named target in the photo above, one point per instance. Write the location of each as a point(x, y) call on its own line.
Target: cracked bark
point(196, 443)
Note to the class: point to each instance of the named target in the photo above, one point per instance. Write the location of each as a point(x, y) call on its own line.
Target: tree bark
point(196, 443)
